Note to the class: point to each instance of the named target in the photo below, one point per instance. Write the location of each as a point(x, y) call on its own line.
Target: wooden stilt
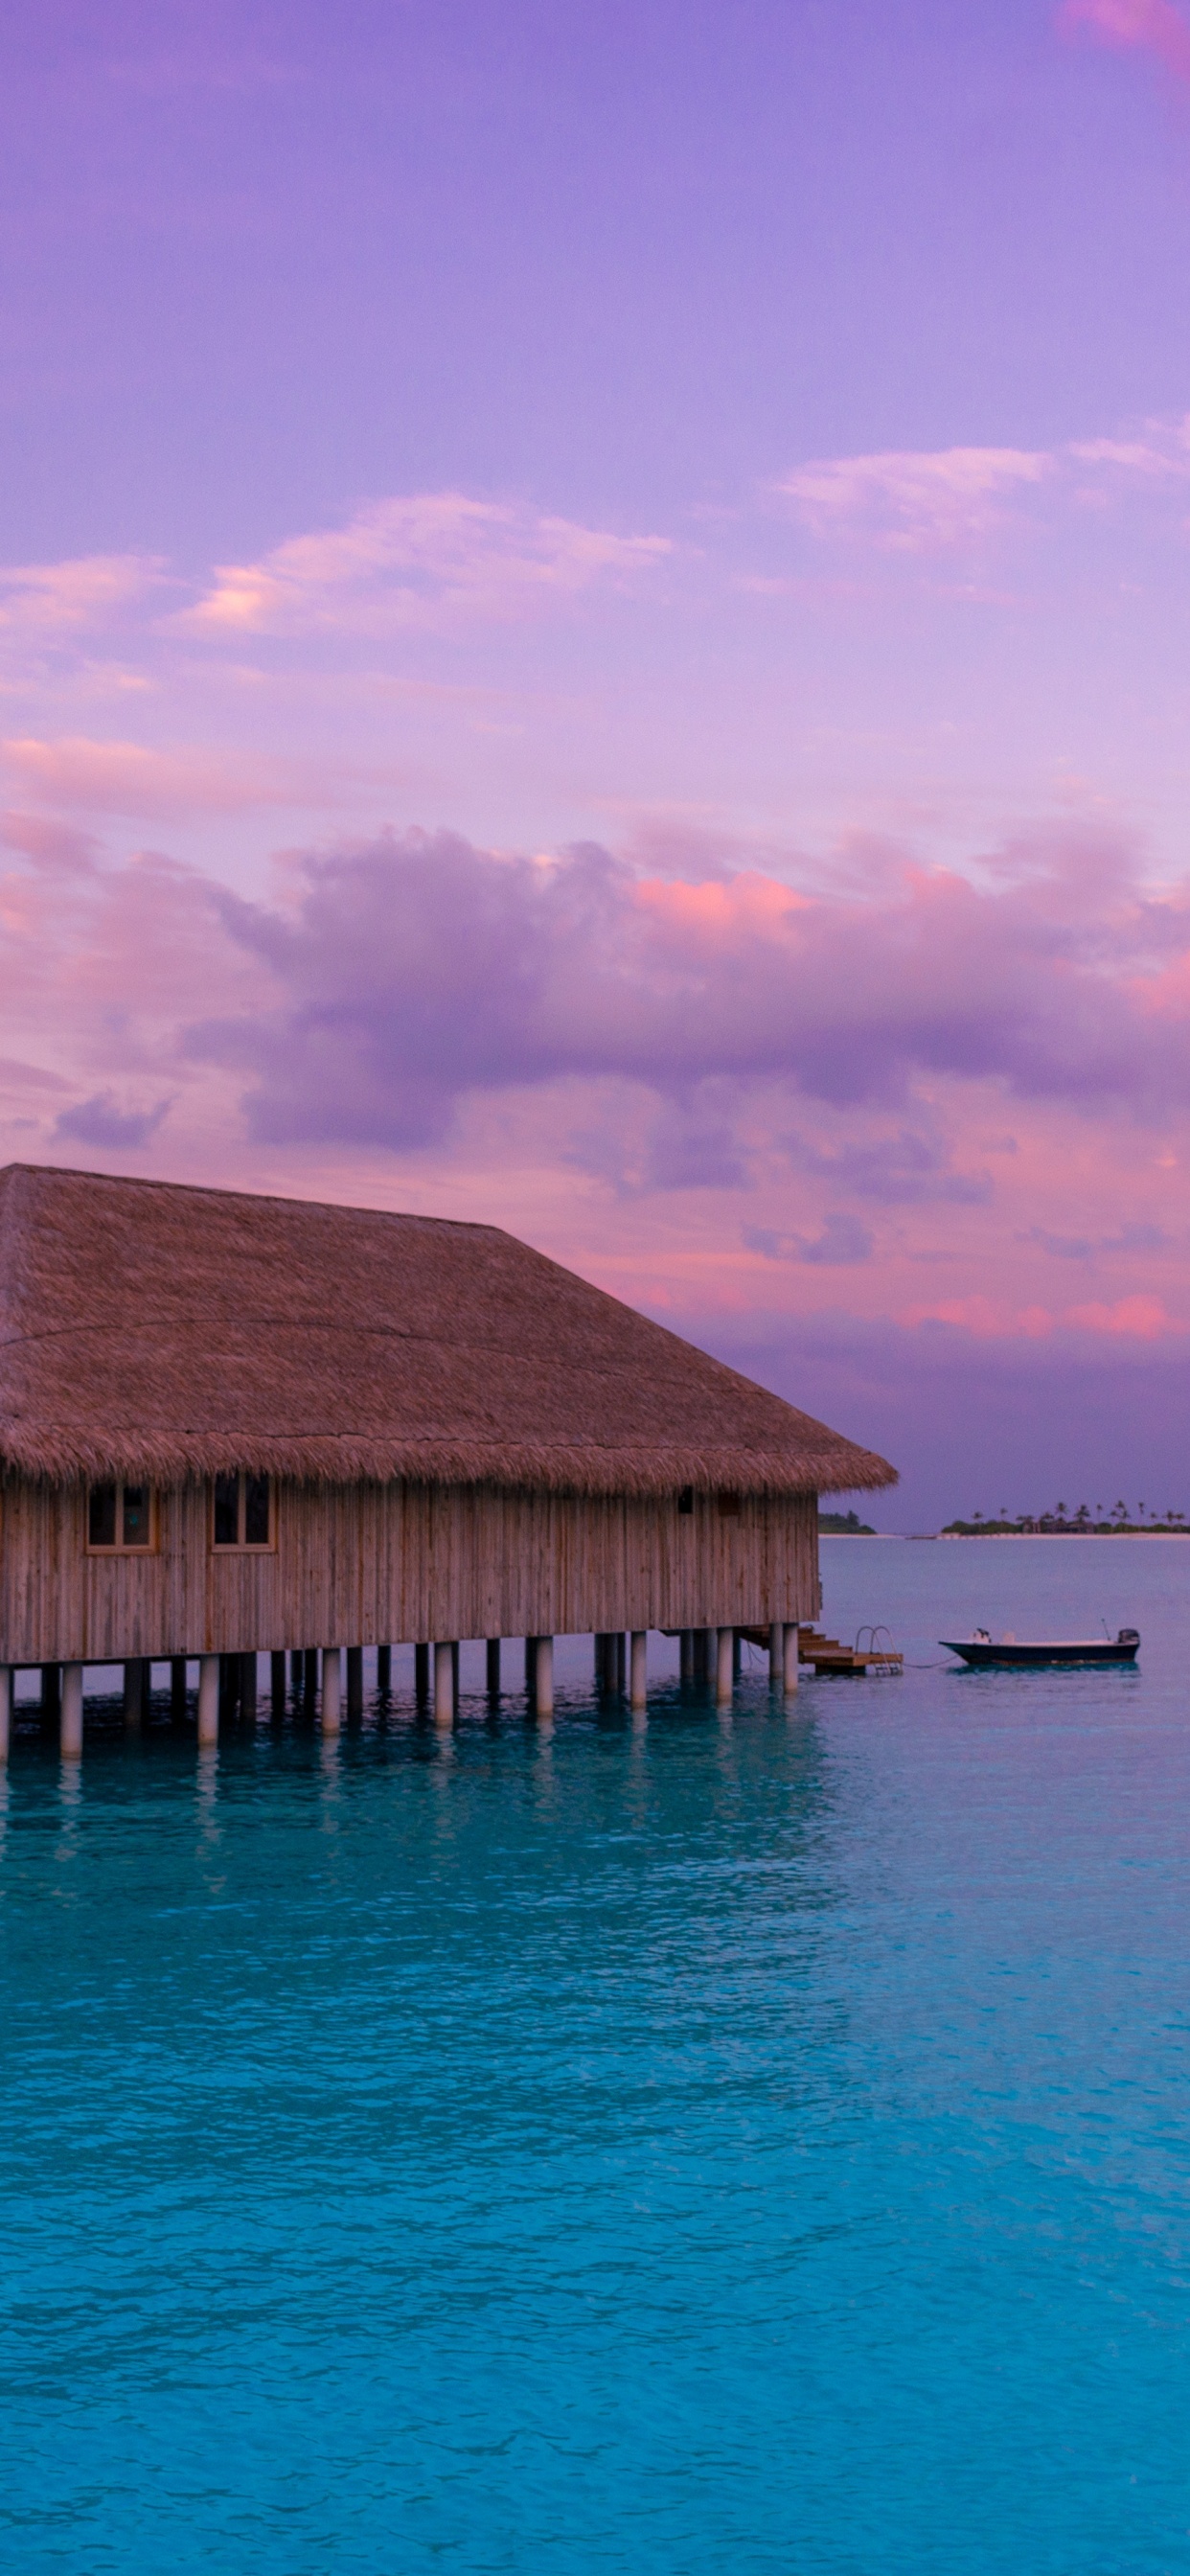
point(777, 1655)
point(493, 1667)
point(686, 1654)
point(51, 1691)
point(355, 1681)
point(791, 1658)
point(177, 1689)
point(384, 1670)
point(421, 1673)
point(249, 1688)
point(208, 1699)
point(640, 1688)
point(332, 1689)
point(444, 1683)
point(134, 1695)
point(725, 1666)
point(71, 1737)
point(6, 1682)
point(621, 1663)
point(543, 1676)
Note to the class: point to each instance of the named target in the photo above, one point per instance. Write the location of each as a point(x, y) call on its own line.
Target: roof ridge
point(171, 1328)
point(257, 1198)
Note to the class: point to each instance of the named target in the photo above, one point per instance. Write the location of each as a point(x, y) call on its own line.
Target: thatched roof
point(152, 1330)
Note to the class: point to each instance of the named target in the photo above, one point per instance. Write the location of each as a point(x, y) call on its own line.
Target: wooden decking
point(827, 1655)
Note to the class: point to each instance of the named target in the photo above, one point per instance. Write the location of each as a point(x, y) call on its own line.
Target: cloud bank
point(414, 969)
point(855, 1079)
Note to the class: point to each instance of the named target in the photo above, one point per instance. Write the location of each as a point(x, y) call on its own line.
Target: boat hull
point(981, 1652)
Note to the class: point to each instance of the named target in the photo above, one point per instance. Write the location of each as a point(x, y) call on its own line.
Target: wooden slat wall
point(370, 1564)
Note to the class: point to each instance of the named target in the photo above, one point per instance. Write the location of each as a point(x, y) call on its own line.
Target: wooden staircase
point(827, 1655)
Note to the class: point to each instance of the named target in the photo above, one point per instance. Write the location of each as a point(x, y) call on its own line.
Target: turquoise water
point(740, 2146)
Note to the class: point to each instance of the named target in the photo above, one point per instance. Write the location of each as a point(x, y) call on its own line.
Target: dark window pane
point(227, 1511)
point(686, 1499)
point(256, 1511)
point(101, 1516)
point(136, 1515)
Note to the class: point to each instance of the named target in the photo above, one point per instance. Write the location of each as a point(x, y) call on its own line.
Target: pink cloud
point(1136, 1318)
point(125, 778)
point(985, 1318)
point(911, 503)
point(90, 591)
point(1141, 1318)
point(49, 842)
point(1146, 26)
point(908, 502)
point(411, 562)
point(1158, 451)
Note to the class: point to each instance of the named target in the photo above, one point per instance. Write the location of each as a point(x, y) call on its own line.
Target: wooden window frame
point(243, 1546)
point(121, 1546)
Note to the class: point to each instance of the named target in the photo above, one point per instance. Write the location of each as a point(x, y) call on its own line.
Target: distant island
point(1062, 1523)
point(845, 1525)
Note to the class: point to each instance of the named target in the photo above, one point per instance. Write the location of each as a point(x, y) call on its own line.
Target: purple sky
point(593, 633)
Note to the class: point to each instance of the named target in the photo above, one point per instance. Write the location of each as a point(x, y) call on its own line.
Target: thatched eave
point(149, 1330)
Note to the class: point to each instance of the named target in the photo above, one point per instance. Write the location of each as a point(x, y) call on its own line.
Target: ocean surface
point(706, 2146)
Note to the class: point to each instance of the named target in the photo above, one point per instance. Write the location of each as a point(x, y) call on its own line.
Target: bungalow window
point(243, 1511)
point(119, 1518)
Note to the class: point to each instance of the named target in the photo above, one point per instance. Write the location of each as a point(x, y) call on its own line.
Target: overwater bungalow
point(232, 1425)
